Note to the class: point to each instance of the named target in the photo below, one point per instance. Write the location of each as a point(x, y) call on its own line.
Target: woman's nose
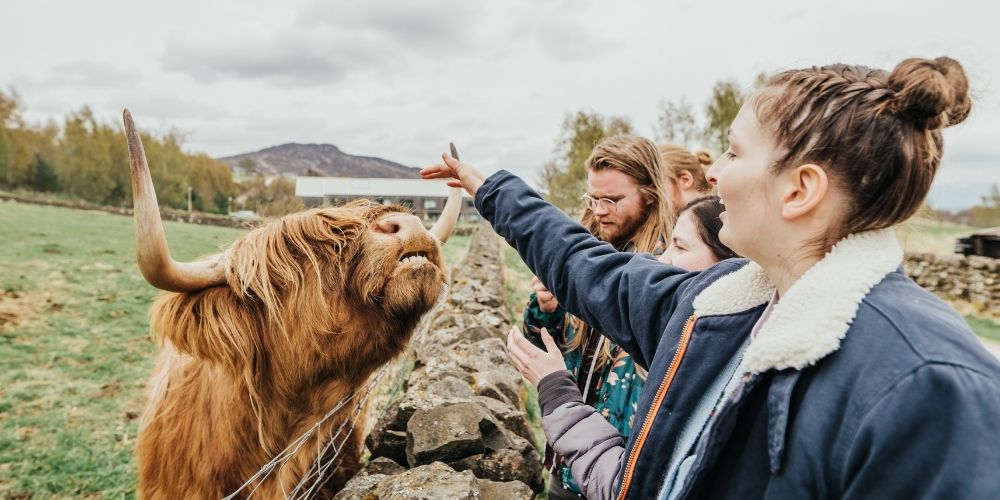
point(712, 175)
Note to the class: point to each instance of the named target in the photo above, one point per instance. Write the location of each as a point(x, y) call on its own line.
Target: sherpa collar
point(814, 315)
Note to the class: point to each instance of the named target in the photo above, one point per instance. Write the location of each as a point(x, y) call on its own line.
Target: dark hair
point(876, 134)
point(705, 211)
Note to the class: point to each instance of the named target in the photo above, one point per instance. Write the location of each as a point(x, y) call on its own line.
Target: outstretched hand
point(460, 174)
point(534, 363)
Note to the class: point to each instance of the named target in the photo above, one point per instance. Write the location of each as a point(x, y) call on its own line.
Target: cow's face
point(358, 260)
point(397, 267)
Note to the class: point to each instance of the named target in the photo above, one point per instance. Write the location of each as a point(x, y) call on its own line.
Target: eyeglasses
point(607, 204)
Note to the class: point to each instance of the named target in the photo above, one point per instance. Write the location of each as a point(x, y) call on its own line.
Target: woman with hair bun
point(814, 368)
point(685, 173)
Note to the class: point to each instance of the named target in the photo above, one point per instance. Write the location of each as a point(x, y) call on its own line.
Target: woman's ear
point(806, 187)
point(685, 181)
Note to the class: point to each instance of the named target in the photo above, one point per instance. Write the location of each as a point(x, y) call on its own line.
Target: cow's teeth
point(419, 257)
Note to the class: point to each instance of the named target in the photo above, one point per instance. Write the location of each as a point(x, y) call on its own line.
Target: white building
point(426, 198)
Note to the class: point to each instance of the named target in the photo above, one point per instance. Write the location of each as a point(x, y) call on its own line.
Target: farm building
point(425, 198)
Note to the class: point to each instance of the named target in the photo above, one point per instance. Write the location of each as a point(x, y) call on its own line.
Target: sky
point(401, 79)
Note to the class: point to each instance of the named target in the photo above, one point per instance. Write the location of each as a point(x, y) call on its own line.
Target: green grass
point(518, 283)
point(925, 234)
point(985, 328)
point(75, 346)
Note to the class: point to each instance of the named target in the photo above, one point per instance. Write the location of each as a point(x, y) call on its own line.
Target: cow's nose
point(403, 226)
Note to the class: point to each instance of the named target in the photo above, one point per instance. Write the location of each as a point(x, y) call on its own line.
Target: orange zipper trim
point(661, 392)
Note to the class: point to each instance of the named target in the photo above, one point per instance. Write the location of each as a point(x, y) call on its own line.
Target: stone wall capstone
point(459, 429)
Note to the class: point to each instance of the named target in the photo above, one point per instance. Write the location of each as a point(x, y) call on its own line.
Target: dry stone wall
point(966, 281)
point(459, 430)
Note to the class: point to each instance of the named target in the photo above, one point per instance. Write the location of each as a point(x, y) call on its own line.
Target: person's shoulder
point(900, 319)
point(719, 270)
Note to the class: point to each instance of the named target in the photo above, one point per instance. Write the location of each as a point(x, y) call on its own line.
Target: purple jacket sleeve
point(592, 447)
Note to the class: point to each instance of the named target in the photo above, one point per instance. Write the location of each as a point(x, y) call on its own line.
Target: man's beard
point(621, 233)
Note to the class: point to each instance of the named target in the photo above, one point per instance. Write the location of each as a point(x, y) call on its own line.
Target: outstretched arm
point(628, 297)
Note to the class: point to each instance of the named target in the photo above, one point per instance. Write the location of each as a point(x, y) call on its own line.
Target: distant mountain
point(316, 159)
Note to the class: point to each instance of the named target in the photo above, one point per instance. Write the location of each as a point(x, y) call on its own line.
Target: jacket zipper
point(661, 392)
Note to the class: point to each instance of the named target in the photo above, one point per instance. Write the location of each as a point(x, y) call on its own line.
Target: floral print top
point(615, 387)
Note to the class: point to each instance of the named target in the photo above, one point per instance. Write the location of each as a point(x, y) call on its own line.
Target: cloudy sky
point(400, 79)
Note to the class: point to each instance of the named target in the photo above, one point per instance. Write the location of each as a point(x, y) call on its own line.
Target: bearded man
point(626, 205)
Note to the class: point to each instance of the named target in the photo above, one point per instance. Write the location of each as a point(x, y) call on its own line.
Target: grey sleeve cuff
point(557, 389)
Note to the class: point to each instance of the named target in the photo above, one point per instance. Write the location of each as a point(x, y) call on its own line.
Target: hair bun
point(931, 93)
point(704, 157)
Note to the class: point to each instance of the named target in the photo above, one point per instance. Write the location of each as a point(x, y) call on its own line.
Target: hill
point(316, 159)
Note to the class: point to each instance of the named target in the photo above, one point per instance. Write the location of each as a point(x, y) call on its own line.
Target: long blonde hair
point(639, 159)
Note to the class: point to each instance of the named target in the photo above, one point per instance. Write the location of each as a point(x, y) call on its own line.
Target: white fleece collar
point(811, 319)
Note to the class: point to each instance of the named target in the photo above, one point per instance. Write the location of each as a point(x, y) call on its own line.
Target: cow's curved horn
point(151, 250)
point(445, 224)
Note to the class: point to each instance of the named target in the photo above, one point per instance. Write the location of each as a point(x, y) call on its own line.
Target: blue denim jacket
point(859, 385)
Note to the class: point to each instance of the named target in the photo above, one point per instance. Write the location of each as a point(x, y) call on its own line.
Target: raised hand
point(462, 174)
point(534, 363)
point(546, 300)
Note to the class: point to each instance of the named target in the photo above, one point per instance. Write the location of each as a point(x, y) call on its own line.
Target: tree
point(720, 110)
point(676, 124)
point(565, 176)
point(10, 117)
point(248, 166)
point(43, 177)
point(6, 177)
point(987, 214)
point(26, 145)
point(84, 159)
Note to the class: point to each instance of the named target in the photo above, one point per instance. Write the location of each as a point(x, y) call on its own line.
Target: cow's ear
point(212, 325)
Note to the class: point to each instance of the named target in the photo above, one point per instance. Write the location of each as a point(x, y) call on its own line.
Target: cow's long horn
point(151, 250)
point(445, 224)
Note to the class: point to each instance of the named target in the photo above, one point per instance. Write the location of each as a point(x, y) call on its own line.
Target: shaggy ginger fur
point(313, 304)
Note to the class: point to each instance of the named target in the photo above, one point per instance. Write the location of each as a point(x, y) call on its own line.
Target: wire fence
point(330, 445)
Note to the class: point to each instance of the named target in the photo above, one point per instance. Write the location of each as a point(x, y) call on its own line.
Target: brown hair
point(677, 159)
point(636, 157)
point(705, 212)
point(877, 134)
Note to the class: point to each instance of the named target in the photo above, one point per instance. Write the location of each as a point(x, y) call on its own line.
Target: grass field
point(924, 234)
point(75, 348)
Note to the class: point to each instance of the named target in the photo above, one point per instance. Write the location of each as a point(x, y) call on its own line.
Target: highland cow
point(262, 340)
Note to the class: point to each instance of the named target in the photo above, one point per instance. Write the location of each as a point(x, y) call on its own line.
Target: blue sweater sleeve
point(628, 297)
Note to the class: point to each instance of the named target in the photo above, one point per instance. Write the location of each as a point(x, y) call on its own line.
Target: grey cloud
point(80, 74)
point(296, 59)
point(327, 42)
point(167, 107)
point(565, 31)
point(439, 25)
